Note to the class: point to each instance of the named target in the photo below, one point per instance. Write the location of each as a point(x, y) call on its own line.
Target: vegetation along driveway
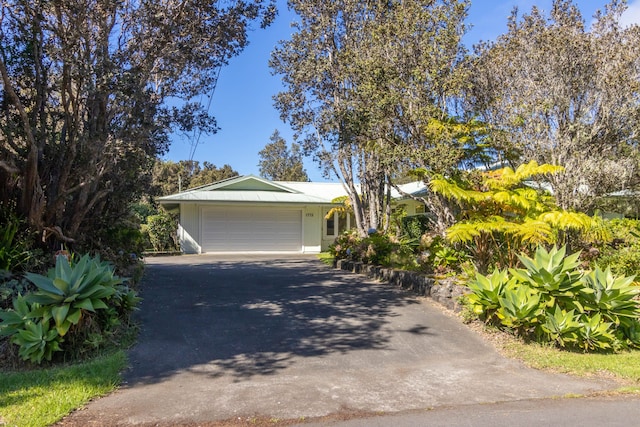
point(289, 338)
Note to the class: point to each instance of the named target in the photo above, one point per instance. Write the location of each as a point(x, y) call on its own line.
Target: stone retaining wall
point(444, 291)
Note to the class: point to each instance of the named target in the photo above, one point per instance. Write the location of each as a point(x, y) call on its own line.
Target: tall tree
point(84, 85)
point(210, 173)
point(170, 177)
point(368, 85)
point(279, 163)
point(557, 92)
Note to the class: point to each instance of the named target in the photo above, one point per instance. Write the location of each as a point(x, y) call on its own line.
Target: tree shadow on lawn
point(242, 319)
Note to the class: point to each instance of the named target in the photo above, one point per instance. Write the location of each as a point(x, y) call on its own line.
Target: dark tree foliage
point(171, 177)
point(83, 109)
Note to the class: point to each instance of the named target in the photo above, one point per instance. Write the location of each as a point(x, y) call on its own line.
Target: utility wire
point(194, 145)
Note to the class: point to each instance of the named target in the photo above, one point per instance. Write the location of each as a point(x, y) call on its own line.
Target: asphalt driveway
point(289, 338)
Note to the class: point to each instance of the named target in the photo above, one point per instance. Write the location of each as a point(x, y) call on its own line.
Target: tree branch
point(9, 168)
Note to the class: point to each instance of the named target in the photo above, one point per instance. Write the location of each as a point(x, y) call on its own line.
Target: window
point(331, 230)
point(337, 224)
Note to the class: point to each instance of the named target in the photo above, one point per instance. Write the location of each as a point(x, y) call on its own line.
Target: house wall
point(189, 228)
point(312, 232)
point(411, 206)
point(314, 237)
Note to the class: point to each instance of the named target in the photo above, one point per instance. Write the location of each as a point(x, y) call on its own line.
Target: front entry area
point(244, 229)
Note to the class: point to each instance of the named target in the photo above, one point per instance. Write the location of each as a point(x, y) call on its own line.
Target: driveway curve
point(231, 337)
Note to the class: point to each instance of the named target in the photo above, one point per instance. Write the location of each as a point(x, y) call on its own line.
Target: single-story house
point(253, 214)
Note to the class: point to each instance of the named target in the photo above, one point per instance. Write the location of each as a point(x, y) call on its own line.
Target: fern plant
point(506, 214)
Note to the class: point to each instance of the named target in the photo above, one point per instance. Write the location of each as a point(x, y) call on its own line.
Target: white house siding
point(312, 221)
point(189, 230)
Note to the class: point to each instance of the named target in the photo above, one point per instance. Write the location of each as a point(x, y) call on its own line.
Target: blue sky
point(243, 105)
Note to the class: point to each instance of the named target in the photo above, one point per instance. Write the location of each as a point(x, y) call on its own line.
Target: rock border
point(444, 291)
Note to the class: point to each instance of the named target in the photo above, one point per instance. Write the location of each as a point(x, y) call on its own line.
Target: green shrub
point(162, 230)
point(12, 252)
point(440, 257)
point(80, 304)
point(550, 300)
point(12, 286)
point(623, 260)
point(376, 248)
point(346, 245)
point(622, 252)
point(413, 227)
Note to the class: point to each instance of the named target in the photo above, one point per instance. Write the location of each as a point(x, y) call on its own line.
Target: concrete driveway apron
point(289, 338)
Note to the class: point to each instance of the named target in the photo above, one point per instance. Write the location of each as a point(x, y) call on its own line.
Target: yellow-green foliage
point(345, 207)
point(501, 216)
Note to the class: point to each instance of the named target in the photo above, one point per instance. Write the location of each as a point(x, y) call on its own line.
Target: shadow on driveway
point(289, 338)
point(252, 317)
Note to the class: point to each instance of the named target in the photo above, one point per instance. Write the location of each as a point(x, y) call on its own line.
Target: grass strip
point(42, 397)
point(326, 258)
point(624, 365)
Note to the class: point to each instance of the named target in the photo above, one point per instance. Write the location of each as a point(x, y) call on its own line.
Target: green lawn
point(624, 366)
point(326, 258)
point(43, 396)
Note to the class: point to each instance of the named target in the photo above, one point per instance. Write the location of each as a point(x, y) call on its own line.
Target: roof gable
point(245, 183)
point(250, 188)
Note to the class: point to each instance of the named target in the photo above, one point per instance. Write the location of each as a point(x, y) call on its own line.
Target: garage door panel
point(233, 229)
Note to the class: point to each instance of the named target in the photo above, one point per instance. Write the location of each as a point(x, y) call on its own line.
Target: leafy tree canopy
point(83, 109)
point(366, 83)
point(279, 163)
point(171, 177)
point(552, 90)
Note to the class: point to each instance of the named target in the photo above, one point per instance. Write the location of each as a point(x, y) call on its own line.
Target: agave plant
point(554, 275)
point(611, 296)
point(14, 320)
point(68, 290)
point(486, 293)
point(562, 327)
point(37, 341)
point(520, 308)
point(596, 334)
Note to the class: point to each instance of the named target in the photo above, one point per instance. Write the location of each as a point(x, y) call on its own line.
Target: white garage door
point(247, 229)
